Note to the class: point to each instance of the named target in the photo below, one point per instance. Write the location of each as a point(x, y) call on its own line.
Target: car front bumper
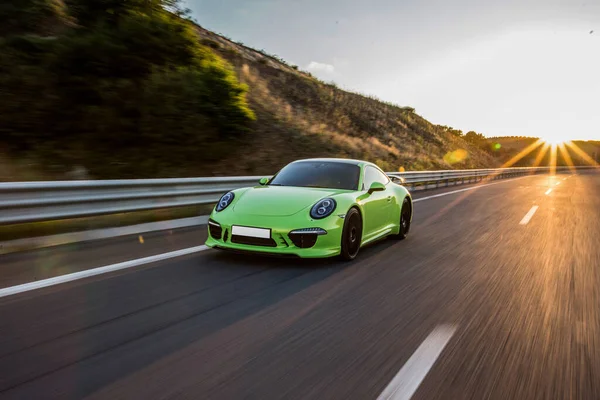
point(280, 243)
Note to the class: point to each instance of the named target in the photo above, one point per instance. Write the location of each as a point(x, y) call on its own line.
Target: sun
point(552, 140)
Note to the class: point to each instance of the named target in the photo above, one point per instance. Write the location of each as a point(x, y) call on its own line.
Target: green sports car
point(313, 208)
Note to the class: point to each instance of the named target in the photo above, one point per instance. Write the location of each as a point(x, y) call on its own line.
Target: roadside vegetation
point(109, 89)
point(299, 116)
point(121, 88)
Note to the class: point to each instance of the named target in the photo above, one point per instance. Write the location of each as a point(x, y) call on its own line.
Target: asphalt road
point(517, 298)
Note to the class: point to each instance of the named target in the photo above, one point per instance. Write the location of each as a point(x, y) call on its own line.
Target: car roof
point(338, 160)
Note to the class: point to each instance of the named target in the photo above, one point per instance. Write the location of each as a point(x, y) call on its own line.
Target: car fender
point(401, 194)
point(237, 195)
point(345, 201)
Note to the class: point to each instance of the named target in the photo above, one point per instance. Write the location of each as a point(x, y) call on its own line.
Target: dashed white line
point(410, 376)
point(548, 191)
point(557, 183)
point(26, 287)
point(528, 216)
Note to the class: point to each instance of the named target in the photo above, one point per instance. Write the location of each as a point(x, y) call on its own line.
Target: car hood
point(280, 201)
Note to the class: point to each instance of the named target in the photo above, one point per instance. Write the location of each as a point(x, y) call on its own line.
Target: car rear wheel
point(404, 223)
point(351, 235)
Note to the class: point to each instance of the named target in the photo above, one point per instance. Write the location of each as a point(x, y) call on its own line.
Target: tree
point(474, 137)
point(126, 92)
point(90, 13)
point(41, 17)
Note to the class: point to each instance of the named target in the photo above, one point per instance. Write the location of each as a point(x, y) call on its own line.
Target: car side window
point(374, 175)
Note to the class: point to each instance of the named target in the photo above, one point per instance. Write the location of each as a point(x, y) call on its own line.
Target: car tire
point(404, 222)
point(351, 235)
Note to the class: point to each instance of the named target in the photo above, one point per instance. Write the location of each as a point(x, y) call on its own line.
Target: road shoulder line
point(26, 287)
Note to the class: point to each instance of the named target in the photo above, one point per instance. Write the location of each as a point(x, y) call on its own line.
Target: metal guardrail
point(23, 202)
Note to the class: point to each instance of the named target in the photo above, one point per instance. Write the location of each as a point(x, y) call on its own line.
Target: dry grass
point(12, 170)
point(300, 117)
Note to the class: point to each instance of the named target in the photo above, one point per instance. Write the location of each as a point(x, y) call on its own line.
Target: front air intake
point(303, 240)
point(307, 237)
point(214, 229)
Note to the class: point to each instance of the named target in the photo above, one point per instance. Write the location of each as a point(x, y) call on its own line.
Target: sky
point(501, 68)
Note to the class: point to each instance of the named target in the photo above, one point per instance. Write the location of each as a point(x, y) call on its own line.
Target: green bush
point(26, 93)
point(130, 92)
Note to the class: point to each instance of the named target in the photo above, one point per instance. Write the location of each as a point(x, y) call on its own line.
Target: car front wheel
point(351, 235)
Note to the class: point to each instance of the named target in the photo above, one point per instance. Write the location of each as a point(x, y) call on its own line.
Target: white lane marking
point(529, 215)
point(557, 183)
point(466, 189)
point(548, 191)
point(26, 287)
point(410, 376)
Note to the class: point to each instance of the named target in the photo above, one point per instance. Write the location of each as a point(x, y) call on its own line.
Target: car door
point(377, 205)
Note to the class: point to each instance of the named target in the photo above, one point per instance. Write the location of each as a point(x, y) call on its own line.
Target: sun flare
point(552, 140)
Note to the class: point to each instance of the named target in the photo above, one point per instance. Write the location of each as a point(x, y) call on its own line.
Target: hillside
point(140, 92)
point(299, 116)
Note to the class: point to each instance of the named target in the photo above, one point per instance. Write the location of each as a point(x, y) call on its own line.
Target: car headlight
point(323, 208)
point(224, 201)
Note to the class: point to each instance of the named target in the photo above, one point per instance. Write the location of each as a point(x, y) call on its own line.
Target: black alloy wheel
point(351, 235)
point(405, 215)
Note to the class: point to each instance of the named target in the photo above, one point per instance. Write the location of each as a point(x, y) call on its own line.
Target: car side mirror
point(263, 181)
point(376, 187)
point(398, 180)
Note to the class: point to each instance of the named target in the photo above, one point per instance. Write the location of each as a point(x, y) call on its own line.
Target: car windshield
point(319, 174)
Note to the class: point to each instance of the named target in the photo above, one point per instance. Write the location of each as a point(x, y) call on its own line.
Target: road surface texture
point(494, 295)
